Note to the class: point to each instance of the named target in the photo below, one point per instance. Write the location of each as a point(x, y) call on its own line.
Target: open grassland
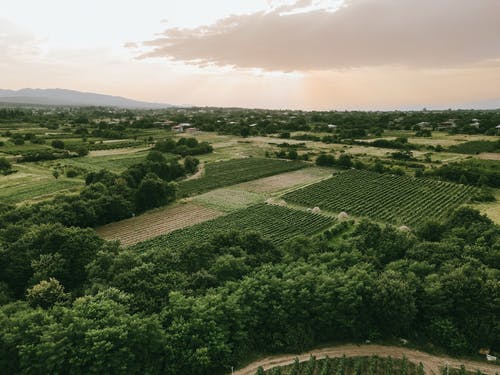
point(285, 181)
point(276, 223)
point(116, 163)
point(156, 223)
point(32, 182)
point(234, 171)
point(228, 199)
point(395, 199)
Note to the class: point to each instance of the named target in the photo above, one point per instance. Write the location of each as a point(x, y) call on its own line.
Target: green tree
point(57, 143)
point(46, 294)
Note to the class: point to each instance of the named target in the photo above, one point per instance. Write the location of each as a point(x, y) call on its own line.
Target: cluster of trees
point(74, 303)
point(184, 146)
point(471, 172)
point(5, 166)
point(327, 160)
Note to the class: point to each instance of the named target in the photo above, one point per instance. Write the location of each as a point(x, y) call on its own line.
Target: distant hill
point(61, 97)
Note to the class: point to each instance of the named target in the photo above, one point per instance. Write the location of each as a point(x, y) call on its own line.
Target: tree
point(46, 294)
point(56, 174)
point(150, 193)
point(190, 164)
point(463, 180)
point(57, 143)
point(5, 165)
point(156, 157)
point(344, 161)
point(325, 160)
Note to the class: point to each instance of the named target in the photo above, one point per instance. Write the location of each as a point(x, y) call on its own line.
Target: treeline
point(184, 146)
point(75, 304)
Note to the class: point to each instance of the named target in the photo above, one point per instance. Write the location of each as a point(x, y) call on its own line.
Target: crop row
point(275, 223)
point(235, 171)
point(395, 199)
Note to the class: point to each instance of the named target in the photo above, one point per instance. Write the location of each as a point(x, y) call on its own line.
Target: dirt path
point(431, 363)
point(200, 172)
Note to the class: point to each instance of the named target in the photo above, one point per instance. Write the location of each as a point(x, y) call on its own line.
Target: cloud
point(131, 45)
point(361, 33)
point(16, 43)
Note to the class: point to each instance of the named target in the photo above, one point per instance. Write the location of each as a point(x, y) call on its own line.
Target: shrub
point(57, 143)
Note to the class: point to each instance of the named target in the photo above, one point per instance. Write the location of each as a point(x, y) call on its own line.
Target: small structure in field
point(192, 130)
point(343, 216)
point(490, 357)
point(316, 210)
point(404, 228)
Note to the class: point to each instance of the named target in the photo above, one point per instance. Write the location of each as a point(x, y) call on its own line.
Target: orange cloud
point(362, 33)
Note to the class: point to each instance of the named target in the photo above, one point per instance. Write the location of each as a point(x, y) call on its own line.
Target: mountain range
point(62, 97)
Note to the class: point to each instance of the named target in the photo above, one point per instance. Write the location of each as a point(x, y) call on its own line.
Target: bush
point(5, 165)
point(57, 143)
point(71, 173)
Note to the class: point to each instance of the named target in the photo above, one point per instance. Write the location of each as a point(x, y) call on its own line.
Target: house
point(192, 130)
point(180, 127)
point(332, 126)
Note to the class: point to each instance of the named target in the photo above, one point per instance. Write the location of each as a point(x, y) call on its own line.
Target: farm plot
point(276, 223)
point(395, 199)
point(156, 223)
point(234, 171)
point(228, 199)
point(287, 180)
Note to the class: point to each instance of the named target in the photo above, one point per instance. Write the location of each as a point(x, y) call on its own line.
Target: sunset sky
point(337, 54)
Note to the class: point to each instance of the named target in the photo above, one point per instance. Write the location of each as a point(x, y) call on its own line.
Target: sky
point(282, 54)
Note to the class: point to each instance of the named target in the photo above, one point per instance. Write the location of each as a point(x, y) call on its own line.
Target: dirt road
point(431, 363)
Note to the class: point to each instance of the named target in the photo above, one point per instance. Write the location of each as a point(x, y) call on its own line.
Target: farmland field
point(395, 199)
point(234, 171)
point(287, 180)
point(228, 199)
point(274, 222)
point(155, 223)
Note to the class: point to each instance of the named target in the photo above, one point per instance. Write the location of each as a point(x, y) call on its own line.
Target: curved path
point(431, 363)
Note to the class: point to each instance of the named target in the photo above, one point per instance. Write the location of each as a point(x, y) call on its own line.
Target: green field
point(114, 163)
point(234, 171)
point(274, 222)
point(395, 199)
point(33, 182)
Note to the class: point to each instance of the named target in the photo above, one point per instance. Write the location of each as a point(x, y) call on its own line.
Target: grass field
point(34, 182)
point(116, 163)
point(234, 171)
point(274, 222)
point(399, 200)
point(156, 223)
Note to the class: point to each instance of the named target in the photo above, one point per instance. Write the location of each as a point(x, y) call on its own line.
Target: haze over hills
point(64, 97)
